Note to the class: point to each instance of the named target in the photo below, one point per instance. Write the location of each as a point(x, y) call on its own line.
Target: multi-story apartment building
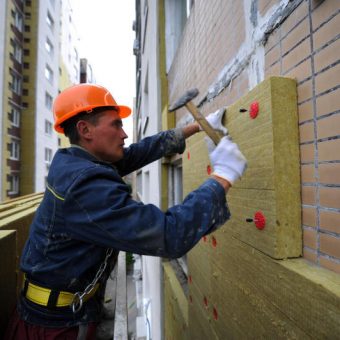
point(30, 82)
point(38, 58)
point(2, 65)
point(12, 47)
point(69, 60)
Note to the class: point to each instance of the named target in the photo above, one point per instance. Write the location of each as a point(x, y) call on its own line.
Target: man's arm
point(155, 147)
point(190, 130)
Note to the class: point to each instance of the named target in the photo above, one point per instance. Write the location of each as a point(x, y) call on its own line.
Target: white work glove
point(227, 159)
point(215, 120)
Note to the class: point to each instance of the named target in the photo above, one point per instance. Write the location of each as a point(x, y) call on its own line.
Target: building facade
point(39, 57)
point(225, 49)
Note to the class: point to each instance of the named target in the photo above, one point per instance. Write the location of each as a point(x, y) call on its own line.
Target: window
point(18, 22)
point(15, 117)
point(145, 100)
point(139, 188)
point(17, 52)
point(49, 74)
point(14, 150)
point(175, 193)
point(76, 54)
point(48, 101)
point(49, 47)
point(176, 14)
point(75, 70)
point(175, 196)
point(48, 127)
point(48, 156)
point(13, 184)
point(16, 84)
point(50, 21)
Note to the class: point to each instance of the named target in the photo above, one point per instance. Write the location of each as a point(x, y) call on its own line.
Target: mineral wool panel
point(271, 184)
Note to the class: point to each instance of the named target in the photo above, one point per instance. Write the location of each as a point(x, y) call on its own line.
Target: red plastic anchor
point(254, 109)
point(259, 219)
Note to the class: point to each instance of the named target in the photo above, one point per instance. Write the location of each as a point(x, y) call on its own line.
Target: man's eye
point(118, 124)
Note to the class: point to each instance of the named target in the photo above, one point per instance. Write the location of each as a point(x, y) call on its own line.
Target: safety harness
point(51, 298)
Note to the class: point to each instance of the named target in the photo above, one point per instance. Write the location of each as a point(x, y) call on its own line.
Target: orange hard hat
point(81, 98)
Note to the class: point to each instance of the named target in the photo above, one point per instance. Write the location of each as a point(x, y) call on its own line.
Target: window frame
point(15, 117)
point(14, 149)
point(14, 185)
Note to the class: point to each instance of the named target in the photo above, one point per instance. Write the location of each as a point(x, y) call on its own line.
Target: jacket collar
point(79, 151)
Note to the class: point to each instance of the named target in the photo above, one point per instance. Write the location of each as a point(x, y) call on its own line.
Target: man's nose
point(124, 135)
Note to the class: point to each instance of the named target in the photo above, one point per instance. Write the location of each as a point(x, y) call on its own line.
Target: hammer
point(185, 100)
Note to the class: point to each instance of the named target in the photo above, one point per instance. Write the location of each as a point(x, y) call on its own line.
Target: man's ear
point(84, 129)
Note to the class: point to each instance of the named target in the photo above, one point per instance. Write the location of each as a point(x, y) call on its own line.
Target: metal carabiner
point(77, 302)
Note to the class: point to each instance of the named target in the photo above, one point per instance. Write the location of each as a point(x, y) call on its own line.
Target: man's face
point(107, 137)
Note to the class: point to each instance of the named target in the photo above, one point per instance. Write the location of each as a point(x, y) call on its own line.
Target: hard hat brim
point(124, 111)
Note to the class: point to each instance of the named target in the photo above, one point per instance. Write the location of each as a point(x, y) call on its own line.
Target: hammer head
point(187, 97)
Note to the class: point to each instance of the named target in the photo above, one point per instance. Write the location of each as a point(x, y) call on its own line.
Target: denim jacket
point(87, 208)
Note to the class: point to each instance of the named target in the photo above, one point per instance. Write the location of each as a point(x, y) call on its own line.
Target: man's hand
point(215, 120)
point(227, 160)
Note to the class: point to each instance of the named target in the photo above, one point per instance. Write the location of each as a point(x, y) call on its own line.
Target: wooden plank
point(20, 199)
point(17, 208)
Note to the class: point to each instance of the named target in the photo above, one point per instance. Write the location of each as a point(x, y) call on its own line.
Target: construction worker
point(87, 214)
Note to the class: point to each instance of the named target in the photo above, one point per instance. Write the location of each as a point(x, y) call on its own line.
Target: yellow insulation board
point(237, 292)
point(271, 184)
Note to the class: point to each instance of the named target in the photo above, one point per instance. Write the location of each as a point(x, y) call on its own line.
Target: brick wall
point(304, 46)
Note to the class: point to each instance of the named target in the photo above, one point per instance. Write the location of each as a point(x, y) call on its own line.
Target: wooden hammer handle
point(213, 134)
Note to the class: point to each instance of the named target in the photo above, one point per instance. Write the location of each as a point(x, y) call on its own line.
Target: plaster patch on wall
point(250, 56)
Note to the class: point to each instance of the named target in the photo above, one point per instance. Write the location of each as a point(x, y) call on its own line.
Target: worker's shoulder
point(69, 169)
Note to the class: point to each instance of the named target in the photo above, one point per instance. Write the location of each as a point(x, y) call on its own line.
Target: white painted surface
point(121, 313)
point(42, 85)
point(70, 56)
point(150, 305)
point(69, 49)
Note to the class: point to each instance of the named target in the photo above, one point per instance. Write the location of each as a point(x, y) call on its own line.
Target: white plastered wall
point(151, 173)
point(42, 140)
